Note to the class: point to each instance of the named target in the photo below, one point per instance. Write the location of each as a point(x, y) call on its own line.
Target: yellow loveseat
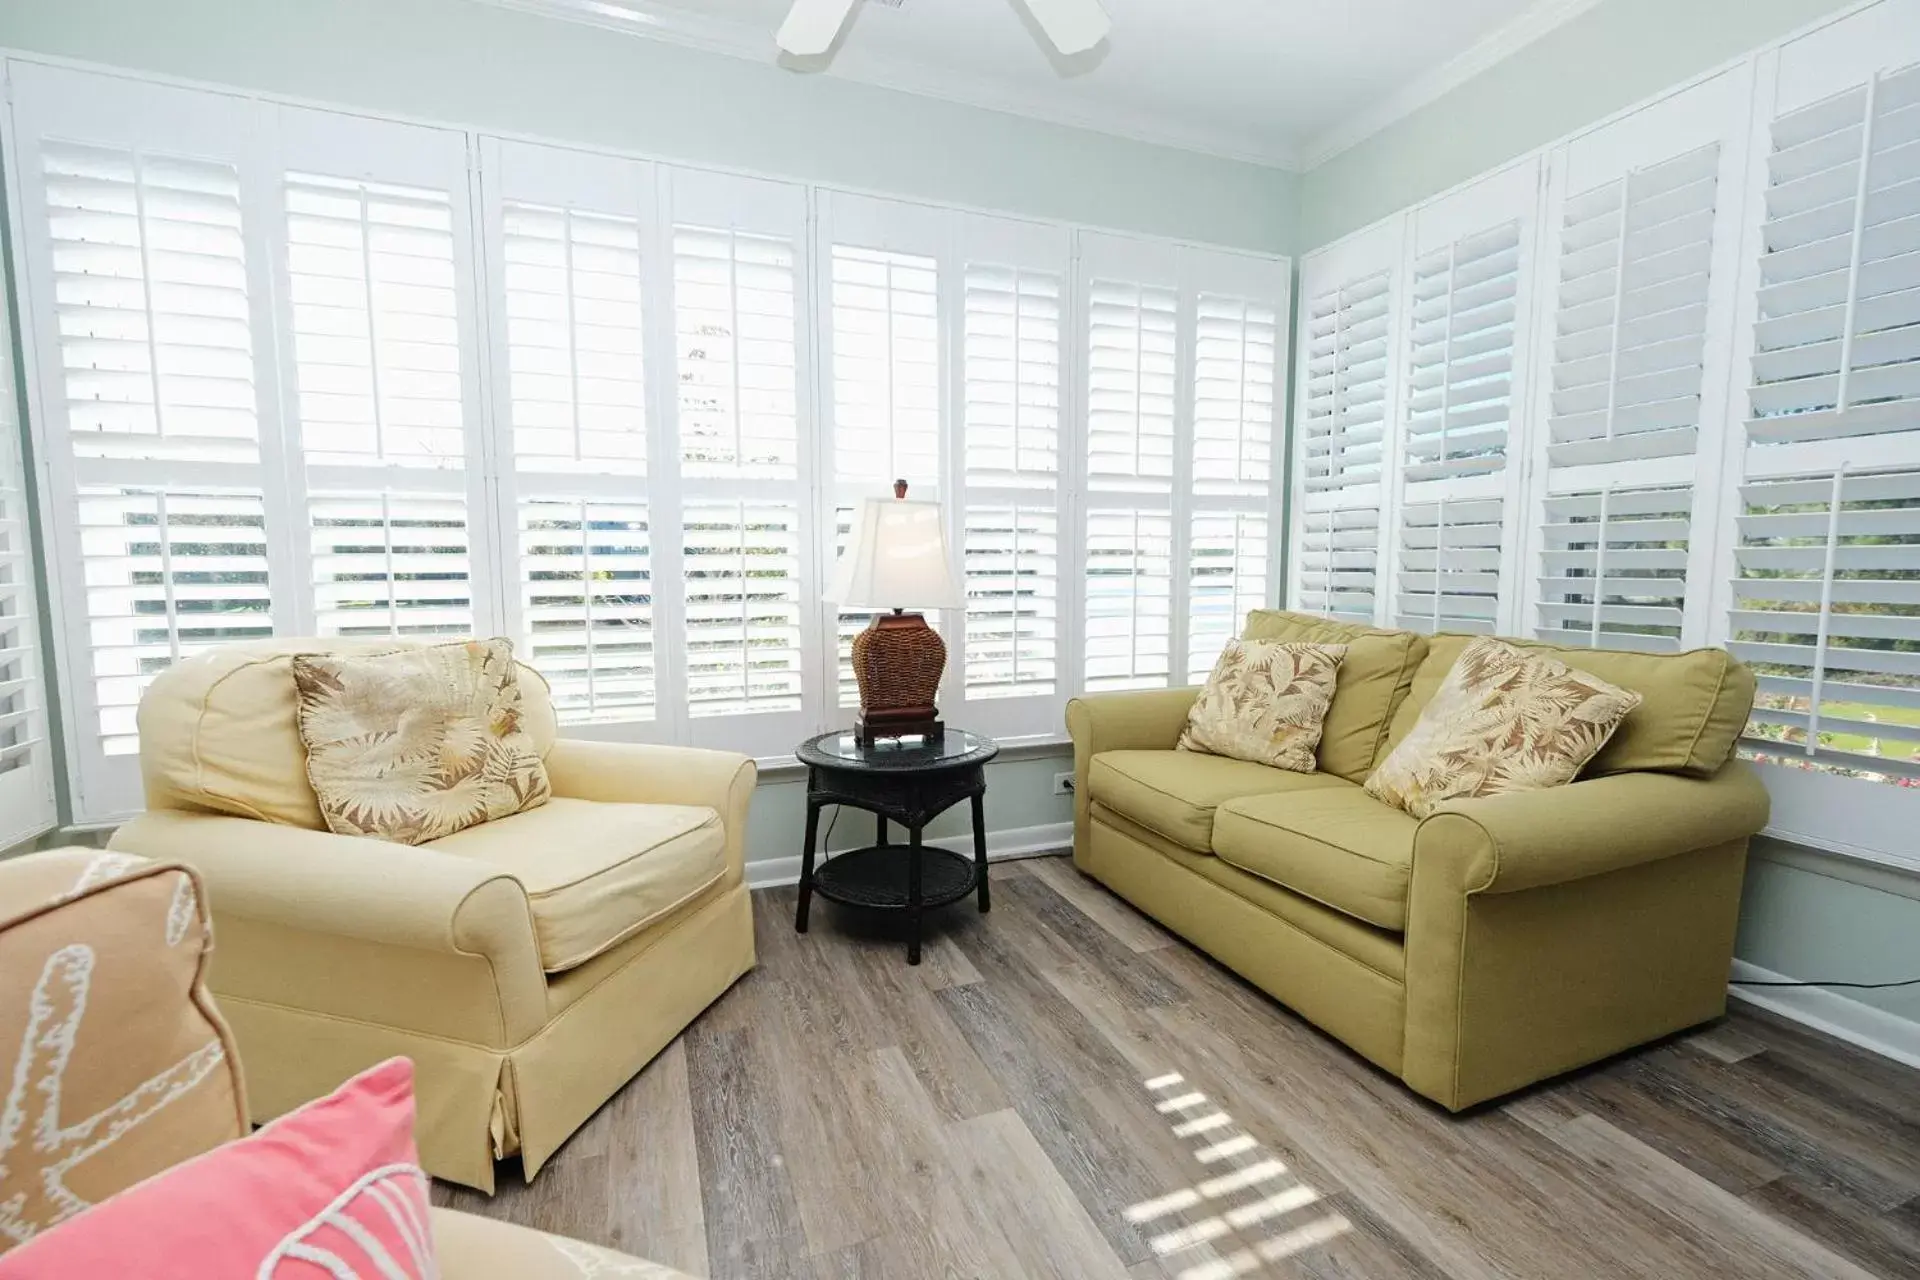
point(529, 966)
point(1499, 941)
point(116, 949)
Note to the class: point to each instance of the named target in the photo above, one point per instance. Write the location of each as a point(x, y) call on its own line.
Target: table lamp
point(897, 559)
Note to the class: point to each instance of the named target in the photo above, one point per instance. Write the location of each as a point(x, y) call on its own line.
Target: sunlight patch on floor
point(1192, 1116)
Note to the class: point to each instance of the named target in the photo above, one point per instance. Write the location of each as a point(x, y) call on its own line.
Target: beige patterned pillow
point(417, 744)
point(1502, 720)
point(1265, 702)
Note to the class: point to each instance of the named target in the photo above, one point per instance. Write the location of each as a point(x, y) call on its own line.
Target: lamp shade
point(896, 559)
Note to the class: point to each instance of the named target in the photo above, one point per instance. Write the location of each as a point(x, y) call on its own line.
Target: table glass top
point(900, 753)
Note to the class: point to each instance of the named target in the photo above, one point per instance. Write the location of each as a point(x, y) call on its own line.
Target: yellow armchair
point(530, 966)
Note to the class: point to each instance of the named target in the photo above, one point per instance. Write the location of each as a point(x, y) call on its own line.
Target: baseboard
point(1886, 1034)
point(1014, 842)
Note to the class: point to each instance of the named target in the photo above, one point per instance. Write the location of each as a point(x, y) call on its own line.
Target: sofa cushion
point(1693, 704)
point(1174, 793)
point(219, 731)
point(1374, 678)
point(596, 873)
point(1336, 845)
point(1265, 702)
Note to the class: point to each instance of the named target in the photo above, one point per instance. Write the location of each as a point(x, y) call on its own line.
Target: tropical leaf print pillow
point(1265, 702)
point(1502, 720)
point(417, 744)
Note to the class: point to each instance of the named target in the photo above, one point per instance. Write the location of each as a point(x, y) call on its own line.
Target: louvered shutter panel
point(150, 288)
point(742, 566)
point(1460, 368)
point(1013, 539)
point(1450, 556)
point(375, 321)
point(575, 344)
point(1630, 335)
point(1226, 579)
point(1344, 384)
point(1614, 568)
point(1339, 551)
point(586, 572)
point(1826, 608)
point(169, 573)
point(882, 318)
point(1837, 344)
point(26, 762)
point(1131, 386)
point(1129, 592)
point(391, 563)
point(734, 302)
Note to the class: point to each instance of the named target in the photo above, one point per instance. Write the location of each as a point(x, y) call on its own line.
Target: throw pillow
point(1502, 720)
point(334, 1188)
point(417, 744)
point(1265, 702)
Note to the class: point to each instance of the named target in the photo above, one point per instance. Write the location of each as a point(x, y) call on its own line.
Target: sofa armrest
point(350, 887)
point(1528, 839)
point(1145, 720)
point(642, 773)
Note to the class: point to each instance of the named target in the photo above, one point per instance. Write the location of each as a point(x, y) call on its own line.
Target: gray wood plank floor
point(1064, 1090)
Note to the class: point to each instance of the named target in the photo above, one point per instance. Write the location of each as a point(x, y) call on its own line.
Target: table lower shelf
point(877, 877)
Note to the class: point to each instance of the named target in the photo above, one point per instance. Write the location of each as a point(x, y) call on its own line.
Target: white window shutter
point(743, 607)
point(1450, 565)
point(1613, 568)
point(1346, 410)
point(1008, 404)
point(736, 297)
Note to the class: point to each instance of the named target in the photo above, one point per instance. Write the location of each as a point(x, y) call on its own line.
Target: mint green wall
point(1813, 917)
point(483, 66)
point(1607, 59)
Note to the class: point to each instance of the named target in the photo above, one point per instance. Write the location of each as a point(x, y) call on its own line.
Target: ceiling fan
point(1073, 26)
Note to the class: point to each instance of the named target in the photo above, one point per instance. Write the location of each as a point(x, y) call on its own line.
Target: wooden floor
point(1063, 1090)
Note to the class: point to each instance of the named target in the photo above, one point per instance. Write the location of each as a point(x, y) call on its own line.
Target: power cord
point(1855, 986)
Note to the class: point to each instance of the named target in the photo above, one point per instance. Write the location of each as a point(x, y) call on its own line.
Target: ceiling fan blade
point(811, 26)
point(1074, 26)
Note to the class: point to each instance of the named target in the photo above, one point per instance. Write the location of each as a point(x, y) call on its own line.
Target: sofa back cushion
point(1374, 679)
point(220, 732)
point(1692, 709)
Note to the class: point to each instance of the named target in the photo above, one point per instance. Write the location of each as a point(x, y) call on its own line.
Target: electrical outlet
point(1063, 784)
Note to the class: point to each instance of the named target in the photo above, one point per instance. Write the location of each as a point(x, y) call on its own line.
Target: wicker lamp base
point(897, 662)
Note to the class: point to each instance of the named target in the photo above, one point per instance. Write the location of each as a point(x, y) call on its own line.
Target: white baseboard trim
point(1014, 842)
point(1886, 1034)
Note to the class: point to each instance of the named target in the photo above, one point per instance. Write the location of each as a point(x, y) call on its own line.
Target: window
point(26, 766)
point(301, 372)
point(1613, 568)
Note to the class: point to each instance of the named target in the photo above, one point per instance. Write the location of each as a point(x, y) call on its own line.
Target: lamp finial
point(900, 488)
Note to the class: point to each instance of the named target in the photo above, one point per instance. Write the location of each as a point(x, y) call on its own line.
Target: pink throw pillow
point(331, 1190)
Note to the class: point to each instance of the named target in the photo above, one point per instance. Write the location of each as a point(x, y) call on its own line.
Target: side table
point(909, 782)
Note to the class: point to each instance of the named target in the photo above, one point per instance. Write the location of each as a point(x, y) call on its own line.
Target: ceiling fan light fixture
point(1072, 26)
point(812, 26)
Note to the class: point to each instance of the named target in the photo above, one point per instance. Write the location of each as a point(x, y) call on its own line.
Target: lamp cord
point(1855, 986)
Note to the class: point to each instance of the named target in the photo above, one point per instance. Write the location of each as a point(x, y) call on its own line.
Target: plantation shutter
point(1642, 237)
point(1467, 352)
point(1826, 606)
point(1837, 344)
point(142, 280)
point(1614, 568)
point(1345, 404)
point(567, 236)
point(380, 342)
point(1824, 602)
point(745, 524)
point(1008, 402)
point(26, 761)
point(1132, 302)
point(881, 315)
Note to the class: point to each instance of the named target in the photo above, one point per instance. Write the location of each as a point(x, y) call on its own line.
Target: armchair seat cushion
point(1336, 845)
point(597, 873)
point(1174, 793)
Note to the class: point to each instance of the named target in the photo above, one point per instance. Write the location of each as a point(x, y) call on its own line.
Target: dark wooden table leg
point(913, 896)
point(879, 828)
point(980, 849)
point(806, 867)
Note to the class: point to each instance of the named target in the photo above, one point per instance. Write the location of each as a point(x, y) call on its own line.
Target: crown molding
point(745, 40)
point(1429, 87)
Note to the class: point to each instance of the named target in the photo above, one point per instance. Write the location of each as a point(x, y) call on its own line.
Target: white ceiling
point(1283, 82)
